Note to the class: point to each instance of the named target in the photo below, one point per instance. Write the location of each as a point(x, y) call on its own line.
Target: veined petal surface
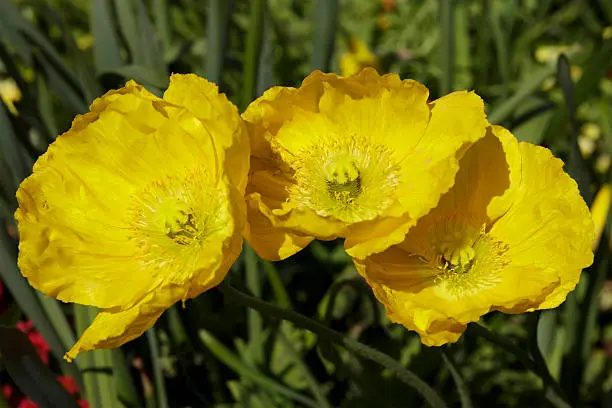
point(512, 234)
point(360, 158)
point(140, 204)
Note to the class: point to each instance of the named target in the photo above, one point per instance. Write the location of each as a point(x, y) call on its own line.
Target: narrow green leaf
point(232, 361)
point(253, 51)
point(158, 375)
point(324, 22)
point(45, 107)
point(153, 55)
point(596, 68)
point(576, 165)
point(176, 328)
point(126, 390)
point(11, 150)
point(70, 96)
point(280, 293)
point(528, 86)
point(58, 320)
point(107, 48)
point(462, 76)
point(31, 375)
point(216, 37)
point(447, 45)
point(97, 366)
point(128, 24)
point(265, 70)
point(328, 334)
point(495, 17)
point(539, 361)
point(162, 27)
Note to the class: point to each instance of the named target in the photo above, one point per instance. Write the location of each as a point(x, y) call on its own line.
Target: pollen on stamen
point(349, 179)
point(172, 219)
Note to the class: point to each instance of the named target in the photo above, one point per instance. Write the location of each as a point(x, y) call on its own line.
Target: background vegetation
point(544, 67)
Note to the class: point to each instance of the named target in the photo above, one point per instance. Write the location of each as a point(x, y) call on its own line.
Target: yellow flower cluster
point(145, 200)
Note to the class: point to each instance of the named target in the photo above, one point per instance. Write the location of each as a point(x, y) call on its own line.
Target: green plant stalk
point(231, 360)
point(253, 283)
point(253, 51)
point(406, 376)
point(280, 293)
point(536, 354)
point(524, 359)
point(314, 386)
point(158, 375)
point(464, 392)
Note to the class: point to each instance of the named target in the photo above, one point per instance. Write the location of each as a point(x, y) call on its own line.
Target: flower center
point(347, 178)
point(343, 180)
point(464, 258)
point(172, 220)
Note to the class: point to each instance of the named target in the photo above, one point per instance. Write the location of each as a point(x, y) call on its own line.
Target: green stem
point(464, 392)
point(552, 393)
point(406, 376)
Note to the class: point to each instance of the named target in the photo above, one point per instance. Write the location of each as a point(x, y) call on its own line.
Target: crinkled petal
point(220, 119)
point(112, 328)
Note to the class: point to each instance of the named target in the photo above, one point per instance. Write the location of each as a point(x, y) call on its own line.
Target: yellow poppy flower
point(139, 205)
point(513, 235)
point(361, 157)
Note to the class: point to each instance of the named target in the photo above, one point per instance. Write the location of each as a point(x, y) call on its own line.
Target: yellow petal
point(137, 198)
point(112, 328)
point(547, 223)
point(512, 235)
point(360, 158)
point(220, 119)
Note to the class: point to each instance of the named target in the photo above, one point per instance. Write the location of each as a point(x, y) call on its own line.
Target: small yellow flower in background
point(599, 211)
point(606, 32)
point(550, 53)
point(589, 134)
point(10, 93)
point(361, 157)
point(84, 41)
point(357, 57)
point(512, 234)
point(139, 205)
point(602, 164)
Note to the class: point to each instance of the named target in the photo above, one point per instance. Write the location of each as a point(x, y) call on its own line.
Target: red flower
point(69, 384)
point(8, 391)
point(1, 290)
point(27, 403)
point(36, 339)
point(83, 404)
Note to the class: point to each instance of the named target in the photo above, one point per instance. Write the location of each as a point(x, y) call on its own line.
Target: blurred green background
point(544, 68)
